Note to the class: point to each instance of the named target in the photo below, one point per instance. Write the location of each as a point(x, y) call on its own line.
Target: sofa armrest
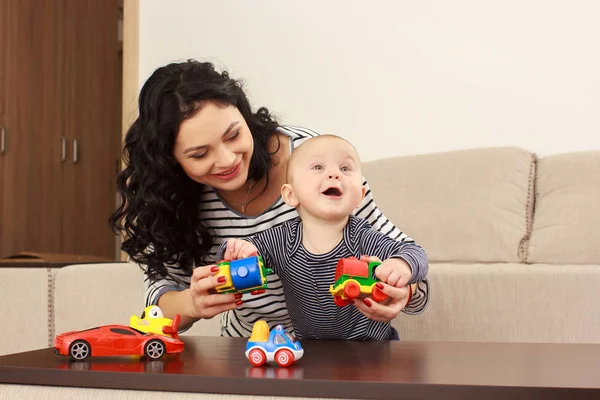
point(24, 303)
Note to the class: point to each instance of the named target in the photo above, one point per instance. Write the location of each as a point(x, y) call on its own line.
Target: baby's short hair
point(295, 154)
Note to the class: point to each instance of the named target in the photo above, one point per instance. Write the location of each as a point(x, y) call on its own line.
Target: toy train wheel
point(377, 294)
point(284, 358)
point(257, 357)
point(79, 350)
point(340, 302)
point(351, 289)
point(154, 349)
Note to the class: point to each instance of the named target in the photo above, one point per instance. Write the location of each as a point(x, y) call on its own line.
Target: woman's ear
point(287, 194)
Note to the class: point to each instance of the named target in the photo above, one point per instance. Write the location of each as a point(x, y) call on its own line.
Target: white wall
point(401, 77)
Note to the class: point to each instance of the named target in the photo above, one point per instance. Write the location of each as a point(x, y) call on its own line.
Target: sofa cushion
point(508, 303)
point(89, 295)
point(24, 304)
point(468, 205)
point(566, 225)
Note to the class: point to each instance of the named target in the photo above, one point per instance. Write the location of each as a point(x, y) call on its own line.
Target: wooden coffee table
point(351, 370)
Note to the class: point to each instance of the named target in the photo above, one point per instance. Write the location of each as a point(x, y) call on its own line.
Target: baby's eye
point(345, 169)
point(318, 167)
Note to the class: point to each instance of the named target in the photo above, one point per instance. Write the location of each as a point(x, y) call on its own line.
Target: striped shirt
point(225, 222)
point(306, 277)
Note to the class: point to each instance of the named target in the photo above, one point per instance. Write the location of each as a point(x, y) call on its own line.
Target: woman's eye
point(234, 136)
point(198, 156)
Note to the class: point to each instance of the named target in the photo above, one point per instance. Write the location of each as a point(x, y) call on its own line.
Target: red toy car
point(116, 340)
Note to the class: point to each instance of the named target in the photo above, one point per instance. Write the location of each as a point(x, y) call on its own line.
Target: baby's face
point(326, 178)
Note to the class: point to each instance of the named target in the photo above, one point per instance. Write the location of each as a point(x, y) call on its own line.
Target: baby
point(324, 184)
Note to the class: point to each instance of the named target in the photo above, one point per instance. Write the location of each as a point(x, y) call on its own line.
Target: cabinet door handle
point(63, 149)
point(3, 140)
point(75, 151)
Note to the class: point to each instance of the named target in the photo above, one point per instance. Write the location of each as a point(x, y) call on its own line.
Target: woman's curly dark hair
point(159, 211)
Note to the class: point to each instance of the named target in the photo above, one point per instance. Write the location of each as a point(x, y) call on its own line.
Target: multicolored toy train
point(246, 275)
point(353, 278)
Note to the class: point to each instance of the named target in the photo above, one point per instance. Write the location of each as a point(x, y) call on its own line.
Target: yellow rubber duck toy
point(151, 321)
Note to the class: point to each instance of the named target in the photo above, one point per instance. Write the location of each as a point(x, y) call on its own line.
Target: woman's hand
point(394, 274)
point(205, 304)
point(388, 309)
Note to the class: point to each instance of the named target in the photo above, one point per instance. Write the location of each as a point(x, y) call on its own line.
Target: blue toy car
point(278, 345)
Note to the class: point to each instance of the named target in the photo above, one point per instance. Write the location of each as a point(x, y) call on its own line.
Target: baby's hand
point(393, 271)
point(237, 248)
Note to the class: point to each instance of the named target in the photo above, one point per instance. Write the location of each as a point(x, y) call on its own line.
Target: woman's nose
point(225, 157)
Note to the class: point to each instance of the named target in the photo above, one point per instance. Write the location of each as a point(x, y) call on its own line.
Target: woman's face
point(214, 147)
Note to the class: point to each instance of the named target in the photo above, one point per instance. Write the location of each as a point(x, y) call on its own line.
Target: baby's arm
point(266, 243)
point(403, 263)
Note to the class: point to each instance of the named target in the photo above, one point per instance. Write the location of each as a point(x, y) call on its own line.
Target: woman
point(203, 167)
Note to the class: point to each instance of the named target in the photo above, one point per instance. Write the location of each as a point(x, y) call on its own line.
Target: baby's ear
point(363, 191)
point(287, 194)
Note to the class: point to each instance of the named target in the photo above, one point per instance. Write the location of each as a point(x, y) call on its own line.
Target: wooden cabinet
point(3, 30)
point(92, 67)
point(60, 96)
point(32, 176)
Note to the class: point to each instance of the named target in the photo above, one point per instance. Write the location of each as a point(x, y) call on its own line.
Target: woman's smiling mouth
point(229, 174)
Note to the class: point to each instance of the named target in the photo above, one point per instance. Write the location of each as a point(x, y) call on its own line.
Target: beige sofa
point(513, 242)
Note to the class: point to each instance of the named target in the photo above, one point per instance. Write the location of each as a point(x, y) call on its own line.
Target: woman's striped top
point(227, 223)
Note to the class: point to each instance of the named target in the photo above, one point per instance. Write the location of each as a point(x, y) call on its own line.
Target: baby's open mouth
point(333, 192)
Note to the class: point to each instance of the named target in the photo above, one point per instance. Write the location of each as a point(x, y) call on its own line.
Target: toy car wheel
point(340, 301)
point(351, 289)
point(154, 366)
point(154, 349)
point(284, 373)
point(284, 358)
point(257, 357)
point(79, 366)
point(255, 372)
point(377, 294)
point(79, 350)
